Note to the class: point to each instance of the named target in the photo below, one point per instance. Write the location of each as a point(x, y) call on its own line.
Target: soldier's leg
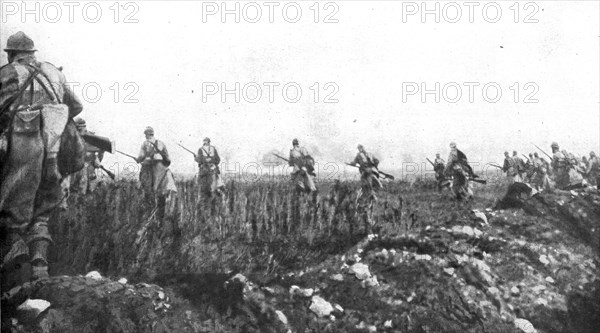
point(48, 199)
point(21, 177)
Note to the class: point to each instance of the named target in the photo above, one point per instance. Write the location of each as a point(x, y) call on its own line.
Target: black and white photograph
point(307, 166)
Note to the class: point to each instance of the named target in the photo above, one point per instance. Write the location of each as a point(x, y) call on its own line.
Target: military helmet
point(554, 145)
point(19, 42)
point(452, 144)
point(295, 142)
point(592, 154)
point(360, 147)
point(207, 139)
point(79, 122)
point(149, 131)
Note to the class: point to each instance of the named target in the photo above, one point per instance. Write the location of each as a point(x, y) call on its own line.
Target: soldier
point(438, 166)
point(458, 168)
point(85, 179)
point(510, 167)
point(35, 105)
point(369, 175)
point(593, 169)
point(209, 173)
point(560, 166)
point(304, 168)
point(540, 173)
point(521, 170)
point(156, 178)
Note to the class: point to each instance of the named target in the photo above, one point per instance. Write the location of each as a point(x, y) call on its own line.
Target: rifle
point(525, 157)
point(387, 175)
point(122, 153)
point(550, 157)
point(165, 160)
point(309, 169)
point(110, 174)
point(428, 160)
point(189, 151)
point(281, 157)
point(496, 166)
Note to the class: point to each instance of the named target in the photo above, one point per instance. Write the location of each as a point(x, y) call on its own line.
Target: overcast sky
point(362, 63)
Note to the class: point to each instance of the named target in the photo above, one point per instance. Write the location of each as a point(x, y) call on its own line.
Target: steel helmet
point(20, 42)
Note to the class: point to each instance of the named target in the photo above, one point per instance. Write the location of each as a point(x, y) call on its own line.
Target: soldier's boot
point(39, 263)
point(15, 261)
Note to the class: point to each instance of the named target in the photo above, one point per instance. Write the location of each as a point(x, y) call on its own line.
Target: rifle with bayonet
point(309, 168)
point(122, 153)
point(189, 151)
point(386, 175)
point(110, 174)
point(536, 146)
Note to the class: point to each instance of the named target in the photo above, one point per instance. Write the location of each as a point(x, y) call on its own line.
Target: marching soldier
point(438, 166)
point(540, 178)
point(156, 178)
point(370, 183)
point(85, 179)
point(510, 167)
point(35, 105)
point(521, 169)
point(304, 170)
point(560, 166)
point(459, 169)
point(593, 169)
point(209, 173)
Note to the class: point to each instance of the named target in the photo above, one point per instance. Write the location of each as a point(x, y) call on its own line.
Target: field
point(433, 264)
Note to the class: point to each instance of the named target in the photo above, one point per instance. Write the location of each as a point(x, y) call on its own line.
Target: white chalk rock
point(524, 325)
point(94, 275)
point(32, 308)
point(122, 281)
point(295, 290)
point(282, 318)
point(480, 216)
point(320, 307)
point(361, 271)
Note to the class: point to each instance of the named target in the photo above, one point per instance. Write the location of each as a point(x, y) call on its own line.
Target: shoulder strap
point(19, 95)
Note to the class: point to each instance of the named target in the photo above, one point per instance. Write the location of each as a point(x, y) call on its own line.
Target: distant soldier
point(510, 167)
point(438, 166)
point(156, 178)
point(459, 169)
point(560, 166)
point(521, 170)
point(370, 183)
point(35, 105)
point(540, 178)
point(593, 169)
point(209, 173)
point(304, 168)
point(85, 179)
point(369, 175)
point(529, 169)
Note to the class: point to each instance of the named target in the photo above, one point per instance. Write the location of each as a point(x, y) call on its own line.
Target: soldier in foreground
point(540, 178)
point(209, 173)
point(156, 178)
point(510, 167)
point(521, 170)
point(303, 168)
point(458, 168)
point(35, 105)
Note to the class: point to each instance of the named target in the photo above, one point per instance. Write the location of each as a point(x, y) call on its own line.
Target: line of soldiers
point(563, 170)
